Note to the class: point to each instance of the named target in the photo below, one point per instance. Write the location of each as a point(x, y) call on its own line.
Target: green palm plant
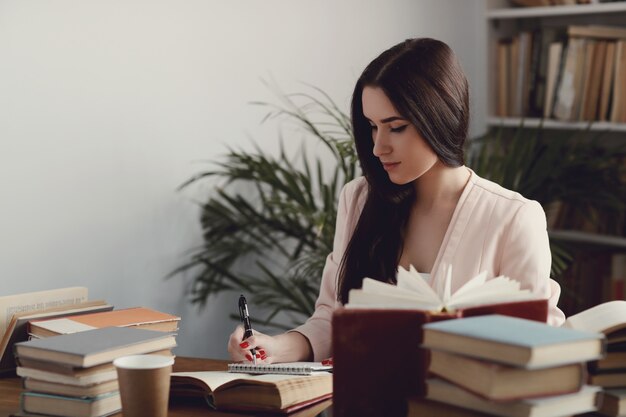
point(276, 214)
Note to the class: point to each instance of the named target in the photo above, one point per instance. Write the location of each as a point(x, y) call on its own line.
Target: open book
point(243, 392)
point(413, 292)
point(608, 318)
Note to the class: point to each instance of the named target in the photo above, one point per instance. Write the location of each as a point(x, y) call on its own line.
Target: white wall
point(107, 106)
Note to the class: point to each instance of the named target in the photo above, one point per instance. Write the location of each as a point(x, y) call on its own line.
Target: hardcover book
point(583, 401)
point(263, 393)
point(95, 347)
point(506, 383)
point(58, 405)
point(137, 317)
point(514, 341)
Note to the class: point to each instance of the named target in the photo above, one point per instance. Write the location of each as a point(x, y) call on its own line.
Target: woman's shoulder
point(495, 191)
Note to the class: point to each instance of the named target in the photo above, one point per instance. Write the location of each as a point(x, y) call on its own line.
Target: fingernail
point(263, 357)
point(248, 357)
point(244, 345)
point(327, 362)
point(262, 352)
point(258, 355)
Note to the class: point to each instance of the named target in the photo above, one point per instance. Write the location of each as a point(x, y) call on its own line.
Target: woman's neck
point(440, 186)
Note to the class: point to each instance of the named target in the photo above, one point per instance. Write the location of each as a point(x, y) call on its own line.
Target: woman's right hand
point(263, 344)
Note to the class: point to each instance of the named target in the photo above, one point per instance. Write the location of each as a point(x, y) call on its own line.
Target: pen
point(245, 318)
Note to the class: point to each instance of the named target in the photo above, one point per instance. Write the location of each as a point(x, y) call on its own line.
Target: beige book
point(105, 404)
point(607, 81)
point(597, 31)
point(594, 81)
point(70, 390)
point(554, 64)
point(619, 84)
point(586, 77)
point(502, 93)
point(564, 106)
point(562, 405)
point(506, 383)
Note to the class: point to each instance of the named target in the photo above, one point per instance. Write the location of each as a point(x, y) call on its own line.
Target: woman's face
point(404, 154)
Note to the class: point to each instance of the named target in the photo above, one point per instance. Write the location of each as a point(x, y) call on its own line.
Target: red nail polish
point(263, 357)
point(244, 345)
point(249, 358)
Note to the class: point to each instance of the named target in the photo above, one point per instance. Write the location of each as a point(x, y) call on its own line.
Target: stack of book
point(506, 366)
point(609, 372)
point(73, 375)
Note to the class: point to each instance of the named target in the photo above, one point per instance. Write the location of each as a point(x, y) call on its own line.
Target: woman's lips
point(390, 165)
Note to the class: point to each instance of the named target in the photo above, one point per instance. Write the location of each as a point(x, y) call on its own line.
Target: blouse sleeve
point(528, 230)
point(317, 329)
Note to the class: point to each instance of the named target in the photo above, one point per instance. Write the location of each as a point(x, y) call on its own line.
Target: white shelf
point(555, 124)
point(579, 9)
point(612, 242)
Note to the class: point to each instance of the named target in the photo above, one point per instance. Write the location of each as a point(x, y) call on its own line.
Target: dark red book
point(377, 359)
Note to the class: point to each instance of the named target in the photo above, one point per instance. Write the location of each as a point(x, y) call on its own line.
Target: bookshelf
point(590, 279)
point(504, 21)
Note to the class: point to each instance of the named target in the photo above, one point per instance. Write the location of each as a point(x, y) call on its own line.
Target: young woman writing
point(417, 204)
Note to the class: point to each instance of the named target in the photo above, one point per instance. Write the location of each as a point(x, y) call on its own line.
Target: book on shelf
point(413, 292)
point(613, 402)
point(95, 347)
point(505, 383)
point(618, 109)
point(288, 368)
point(597, 31)
point(514, 341)
point(608, 318)
point(568, 96)
point(137, 317)
point(555, 55)
point(583, 401)
point(57, 388)
point(54, 303)
point(58, 405)
point(607, 82)
point(244, 392)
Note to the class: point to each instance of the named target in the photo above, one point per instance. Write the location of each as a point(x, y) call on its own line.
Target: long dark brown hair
point(425, 83)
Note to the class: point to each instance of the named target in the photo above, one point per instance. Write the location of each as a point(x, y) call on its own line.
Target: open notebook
point(289, 368)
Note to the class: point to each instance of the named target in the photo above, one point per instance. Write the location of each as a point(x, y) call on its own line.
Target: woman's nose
point(381, 145)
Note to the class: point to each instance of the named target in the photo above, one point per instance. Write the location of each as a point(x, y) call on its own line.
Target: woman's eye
point(398, 129)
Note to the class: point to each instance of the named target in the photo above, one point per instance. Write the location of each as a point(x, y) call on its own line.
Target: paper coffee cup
point(144, 384)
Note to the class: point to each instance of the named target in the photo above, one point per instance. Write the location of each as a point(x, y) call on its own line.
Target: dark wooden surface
point(10, 389)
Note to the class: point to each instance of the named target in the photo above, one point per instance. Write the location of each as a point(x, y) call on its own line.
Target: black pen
point(245, 318)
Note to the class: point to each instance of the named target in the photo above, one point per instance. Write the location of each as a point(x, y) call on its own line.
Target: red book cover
point(377, 359)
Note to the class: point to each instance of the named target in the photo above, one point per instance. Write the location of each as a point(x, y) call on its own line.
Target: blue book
point(514, 341)
point(101, 405)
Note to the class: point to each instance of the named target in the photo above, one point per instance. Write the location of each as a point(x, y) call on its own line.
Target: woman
point(417, 203)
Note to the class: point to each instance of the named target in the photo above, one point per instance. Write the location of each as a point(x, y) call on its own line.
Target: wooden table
point(10, 389)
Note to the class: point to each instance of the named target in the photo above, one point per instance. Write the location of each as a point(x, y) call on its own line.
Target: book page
point(35, 301)
point(215, 379)
point(602, 318)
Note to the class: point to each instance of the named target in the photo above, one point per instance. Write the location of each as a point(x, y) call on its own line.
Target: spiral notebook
point(289, 368)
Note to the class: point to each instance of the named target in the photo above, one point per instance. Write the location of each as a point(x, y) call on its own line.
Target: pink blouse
point(491, 229)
